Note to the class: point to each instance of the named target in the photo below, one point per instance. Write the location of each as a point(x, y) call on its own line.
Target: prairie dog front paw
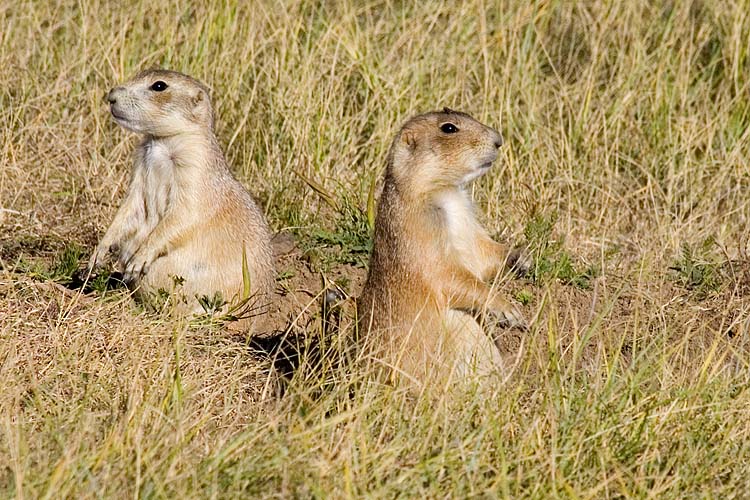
point(520, 261)
point(136, 267)
point(102, 256)
point(507, 318)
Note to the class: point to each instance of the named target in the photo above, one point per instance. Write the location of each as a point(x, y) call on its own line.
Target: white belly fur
point(461, 225)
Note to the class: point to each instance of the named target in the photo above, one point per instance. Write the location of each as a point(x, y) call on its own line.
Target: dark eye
point(158, 86)
point(448, 128)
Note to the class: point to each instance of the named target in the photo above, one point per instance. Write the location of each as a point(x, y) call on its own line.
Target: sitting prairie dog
point(186, 223)
point(431, 257)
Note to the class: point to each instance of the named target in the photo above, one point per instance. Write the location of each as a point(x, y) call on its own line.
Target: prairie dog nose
point(112, 94)
point(497, 139)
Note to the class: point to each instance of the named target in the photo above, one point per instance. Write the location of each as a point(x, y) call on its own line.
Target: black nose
point(111, 98)
point(498, 142)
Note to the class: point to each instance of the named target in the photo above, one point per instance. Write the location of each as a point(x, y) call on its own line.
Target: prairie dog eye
point(158, 86)
point(448, 128)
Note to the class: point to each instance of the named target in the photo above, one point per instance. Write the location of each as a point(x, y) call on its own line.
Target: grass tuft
point(551, 260)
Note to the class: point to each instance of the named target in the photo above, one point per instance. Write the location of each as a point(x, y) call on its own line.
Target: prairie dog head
point(162, 103)
point(441, 150)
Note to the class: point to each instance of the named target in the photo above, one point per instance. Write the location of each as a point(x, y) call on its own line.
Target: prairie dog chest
point(460, 225)
point(159, 180)
point(457, 214)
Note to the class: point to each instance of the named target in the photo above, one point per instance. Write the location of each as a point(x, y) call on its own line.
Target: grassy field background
point(626, 168)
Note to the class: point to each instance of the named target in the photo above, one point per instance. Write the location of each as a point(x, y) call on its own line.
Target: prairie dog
point(431, 257)
point(185, 218)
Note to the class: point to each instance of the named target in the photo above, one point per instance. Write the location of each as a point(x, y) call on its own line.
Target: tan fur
point(431, 257)
point(184, 214)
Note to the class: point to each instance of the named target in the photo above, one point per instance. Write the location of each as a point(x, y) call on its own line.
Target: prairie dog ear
point(409, 138)
point(202, 107)
point(200, 99)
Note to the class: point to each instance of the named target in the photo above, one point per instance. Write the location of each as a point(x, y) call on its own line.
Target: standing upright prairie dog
point(431, 257)
point(186, 223)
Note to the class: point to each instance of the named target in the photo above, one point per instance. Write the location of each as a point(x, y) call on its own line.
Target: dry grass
point(627, 154)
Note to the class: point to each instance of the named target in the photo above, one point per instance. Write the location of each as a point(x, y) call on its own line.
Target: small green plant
point(551, 260)
point(285, 275)
point(102, 282)
point(212, 304)
point(157, 301)
point(218, 311)
point(66, 264)
point(162, 299)
point(64, 269)
point(349, 242)
point(699, 269)
point(524, 296)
